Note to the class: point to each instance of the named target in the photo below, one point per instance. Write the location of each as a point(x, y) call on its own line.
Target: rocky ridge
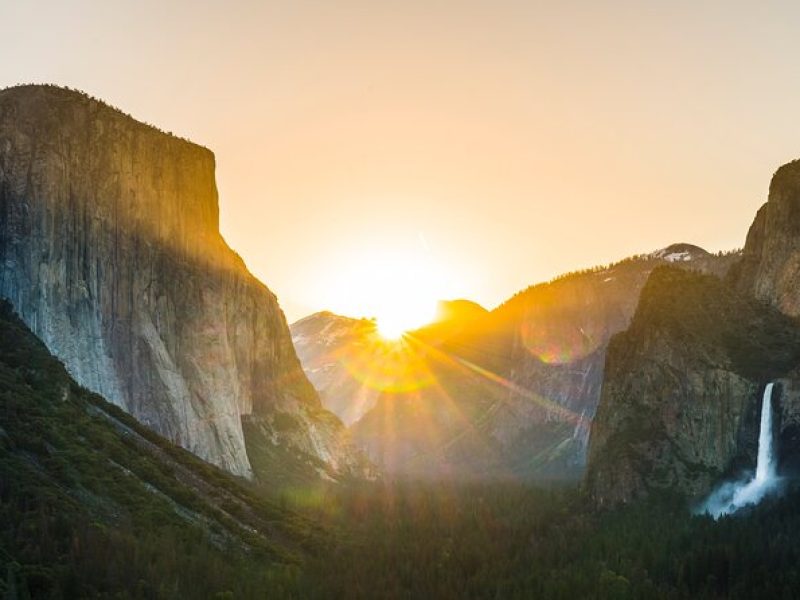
point(111, 253)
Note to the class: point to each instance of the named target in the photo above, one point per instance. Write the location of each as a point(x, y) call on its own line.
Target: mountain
point(93, 504)
point(321, 341)
point(549, 342)
point(111, 254)
point(683, 385)
point(510, 392)
point(453, 317)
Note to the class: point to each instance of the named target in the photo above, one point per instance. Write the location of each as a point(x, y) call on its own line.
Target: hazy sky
point(501, 142)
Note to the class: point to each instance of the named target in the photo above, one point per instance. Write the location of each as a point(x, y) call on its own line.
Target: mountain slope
point(554, 334)
point(93, 503)
point(510, 392)
point(325, 343)
point(111, 253)
point(548, 345)
point(683, 385)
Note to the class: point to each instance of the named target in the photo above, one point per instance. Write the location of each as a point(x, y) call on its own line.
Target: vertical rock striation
point(111, 253)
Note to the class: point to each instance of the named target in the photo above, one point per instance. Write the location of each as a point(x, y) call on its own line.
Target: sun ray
point(540, 400)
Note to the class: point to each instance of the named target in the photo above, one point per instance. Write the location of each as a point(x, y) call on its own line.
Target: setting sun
point(399, 283)
point(402, 314)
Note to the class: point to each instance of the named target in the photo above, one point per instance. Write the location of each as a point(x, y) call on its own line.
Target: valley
point(631, 430)
point(94, 504)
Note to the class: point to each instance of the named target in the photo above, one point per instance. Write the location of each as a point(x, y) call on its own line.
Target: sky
point(473, 148)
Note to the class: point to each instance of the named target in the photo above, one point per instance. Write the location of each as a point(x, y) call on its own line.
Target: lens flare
point(560, 345)
point(387, 365)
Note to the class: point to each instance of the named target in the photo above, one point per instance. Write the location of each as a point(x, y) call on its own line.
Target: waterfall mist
point(732, 496)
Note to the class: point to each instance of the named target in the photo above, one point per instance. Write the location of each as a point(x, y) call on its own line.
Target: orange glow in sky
point(398, 280)
point(518, 139)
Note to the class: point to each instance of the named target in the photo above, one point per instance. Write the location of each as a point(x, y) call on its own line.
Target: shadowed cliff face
point(111, 253)
point(770, 269)
point(683, 385)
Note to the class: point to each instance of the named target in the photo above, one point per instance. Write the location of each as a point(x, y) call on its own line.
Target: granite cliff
point(111, 254)
point(683, 384)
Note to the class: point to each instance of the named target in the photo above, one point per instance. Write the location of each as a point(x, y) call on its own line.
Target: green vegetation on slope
point(94, 504)
point(701, 312)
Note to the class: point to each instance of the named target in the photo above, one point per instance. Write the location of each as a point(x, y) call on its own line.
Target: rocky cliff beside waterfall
point(683, 384)
point(111, 253)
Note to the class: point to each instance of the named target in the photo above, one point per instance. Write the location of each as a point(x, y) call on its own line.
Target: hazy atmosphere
point(457, 137)
point(573, 229)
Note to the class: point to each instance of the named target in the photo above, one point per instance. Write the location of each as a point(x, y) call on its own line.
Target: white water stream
point(730, 497)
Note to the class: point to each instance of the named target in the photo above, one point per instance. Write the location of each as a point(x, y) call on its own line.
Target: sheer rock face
point(770, 269)
point(111, 253)
point(683, 384)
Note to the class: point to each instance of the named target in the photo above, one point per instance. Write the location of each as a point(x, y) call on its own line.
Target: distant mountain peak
point(680, 252)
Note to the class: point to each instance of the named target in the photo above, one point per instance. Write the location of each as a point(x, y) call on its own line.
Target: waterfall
point(765, 469)
point(730, 497)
